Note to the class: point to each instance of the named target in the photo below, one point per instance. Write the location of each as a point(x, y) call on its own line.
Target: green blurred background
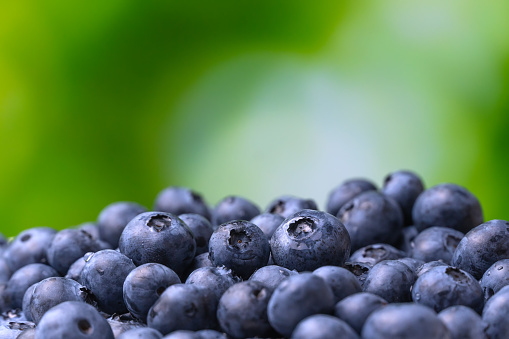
point(102, 101)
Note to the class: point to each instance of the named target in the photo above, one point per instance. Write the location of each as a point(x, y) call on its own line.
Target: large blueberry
point(342, 282)
point(272, 275)
point(29, 247)
point(372, 218)
point(143, 286)
point(73, 319)
point(309, 239)
point(322, 326)
point(391, 280)
point(287, 205)
point(158, 237)
point(445, 286)
point(234, 208)
point(495, 277)
point(180, 200)
point(436, 243)
point(463, 322)
point(104, 274)
point(404, 321)
point(296, 298)
point(447, 205)
point(482, 247)
point(404, 187)
point(356, 308)
point(113, 219)
point(495, 314)
point(242, 310)
point(373, 254)
point(239, 245)
point(345, 192)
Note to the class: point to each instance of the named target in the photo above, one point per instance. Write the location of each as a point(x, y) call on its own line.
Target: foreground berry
point(321, 326)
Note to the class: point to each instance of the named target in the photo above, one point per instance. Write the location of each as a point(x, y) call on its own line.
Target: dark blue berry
point(495, 277)
point(268, 223)
point(462, 322)
point(287, 205)
point(373, 254)
point(436, 243)
point(342, 282)
point(404, 187)
point(234, 208)
point(346, 192)
point(391, 280)
point(113, 219)
point(356, 308)
point(201, 228)
point(181, 200)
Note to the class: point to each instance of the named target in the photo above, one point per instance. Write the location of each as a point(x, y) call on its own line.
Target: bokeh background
point(104, 101)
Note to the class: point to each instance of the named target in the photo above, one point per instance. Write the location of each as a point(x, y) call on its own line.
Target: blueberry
point(181, 200)
point(157, 237)
point(242, 310)
point(201, 260)
point(69, 245)
point(373, 254)
point(209, 334)
point(404, 187)
point(346, 192)
point(113, 219)
point(73, 319)
point(141, 333)
point(143, 286)
point(356, 308)
point(462, 322)
point(447, 205)
point(104, 274)
point(91, 228)
point(181, 334)
point(494, 315)
point(391, 280)
point(123, 323)
point(5, 271)
point(234, 208)
point(322, 326)
point(360, 270)
point(482, 247)
point(296, 298)
point(495, 277)
point(310, 239)
point(408, 235)
point(287, 205)
point(414, 264)
point(372, 218)
point(23, 278)
point(29, 247)
point(239, 245)
point(74, 271)
point(201, 228)
point(216, 279)
point(268, 222)
point(342, 282)
point(428, 266)
point(436, 243)
point(402, 321)
point(180, 307)
point(446, 286)
point(271, 275)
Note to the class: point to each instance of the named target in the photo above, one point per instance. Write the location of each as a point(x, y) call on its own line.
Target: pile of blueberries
point(399, 262)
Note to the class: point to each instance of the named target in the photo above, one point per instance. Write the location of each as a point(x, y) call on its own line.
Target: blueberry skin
point(482, 247)
point(73, 319)
point(158, 237)
point(372, 218)
point(5, 271)
point(447, 205)
point(414, 264)
point(51, 292)
point(91, 228)
point(356, 308)
point(287, 205)
point(122, 323)
point(445, 286)
point(271, 275)
point(495, 277)
point(342, 282)
point(494, 315)
point(29, 247)
point(23, 278)
point(408, 235)
point(181, 334)
point(428, 266)
point(113, 219)
point(391, 280)
point(268, 223)
point(296, 298)
point(234, 208)
point(436, 243)
point(181, 200)
point(181, 307)
point(404, 187)
point(322, 326)
point(141, 333)
point(373, 254)
point(404, 321)
point(143, 286)
point(104, 274)
point(69, 245)
point(462, 322)
point(201, 228)
point(360, 270)
point(209, 334)
point(239, 245)
point(201, 260)
point(25, 305)
point(310, 239)
point(242, 310)
point(215, 279)
point(346, 192)
point(74, 271)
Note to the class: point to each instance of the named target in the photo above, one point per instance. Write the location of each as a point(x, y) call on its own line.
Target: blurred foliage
point(108, 101)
